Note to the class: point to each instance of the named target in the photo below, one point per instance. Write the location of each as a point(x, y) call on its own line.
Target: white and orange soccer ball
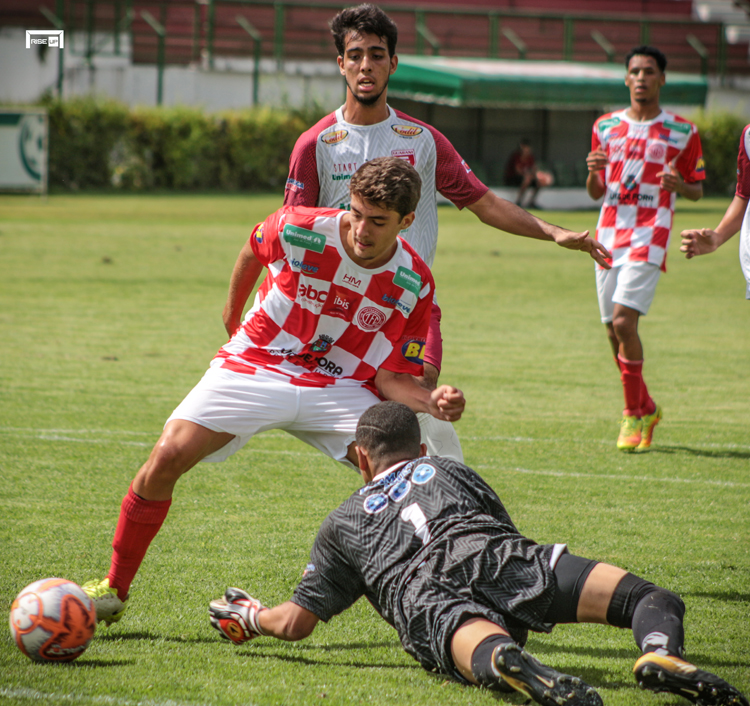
point(52, 620)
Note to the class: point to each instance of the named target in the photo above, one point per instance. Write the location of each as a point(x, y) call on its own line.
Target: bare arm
point(672, 181)
point(288, 621)
point(701, 241)
point(245, 274)
point(444, 402)
point(596, 161)
point(503, 215)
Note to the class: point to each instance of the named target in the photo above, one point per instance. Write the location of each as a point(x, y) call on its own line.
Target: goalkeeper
point(433, 549)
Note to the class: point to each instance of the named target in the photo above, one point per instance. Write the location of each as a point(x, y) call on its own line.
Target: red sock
point(631, 374)
point(139, 522)
point(648, 406)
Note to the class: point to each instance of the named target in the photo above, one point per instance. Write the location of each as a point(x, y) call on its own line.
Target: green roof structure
point(501, 83)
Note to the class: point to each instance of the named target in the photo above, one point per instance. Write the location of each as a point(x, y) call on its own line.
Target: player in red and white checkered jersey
point(702, 241)
point(365, 127)
point(339, 323)
point(640, 159)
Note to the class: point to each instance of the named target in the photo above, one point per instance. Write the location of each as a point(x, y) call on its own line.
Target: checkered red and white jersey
point(318, 318)
point(635, 222)
point(325, 157)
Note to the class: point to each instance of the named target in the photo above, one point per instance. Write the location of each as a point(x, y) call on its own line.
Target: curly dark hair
point(363, 19)
point(389, 182)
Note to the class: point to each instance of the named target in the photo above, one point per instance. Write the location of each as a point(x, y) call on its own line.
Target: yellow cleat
point(630, 433)
point(648, 422)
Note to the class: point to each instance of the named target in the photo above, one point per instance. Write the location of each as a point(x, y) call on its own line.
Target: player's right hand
point(699, 241)
point(596, 160)
point(235, 616)
point(447, 403)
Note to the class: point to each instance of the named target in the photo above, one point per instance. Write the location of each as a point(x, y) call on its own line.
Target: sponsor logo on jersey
point(340, 307)
point(307, 291)
point(352, 281)
point(259, 233)
point(423, 473)
point(408, 280)
point(656, 151)
point(370, 319)
point(310, 568)
point(406, 155)
point(684, 128)
point(341, 167)
point(466, 167)
point(302, 238)
point(323, 343)
point(294, 185)
point(407, 131)
point(700, 165)
point(333, 138)
point(413, 351)
point(398, 303)
point(340, 177)
point(375, 504)
point(328, 367)
point(322, 365)
point(399, 491)
point(606, 124)
point(303, 266)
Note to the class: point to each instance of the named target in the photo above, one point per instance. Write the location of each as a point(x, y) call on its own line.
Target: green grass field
point(110, 310)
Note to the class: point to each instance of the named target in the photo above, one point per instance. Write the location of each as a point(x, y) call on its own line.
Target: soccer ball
point(52, 620)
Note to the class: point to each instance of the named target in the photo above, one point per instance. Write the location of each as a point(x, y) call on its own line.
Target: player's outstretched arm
point(445, 402)
point(288, 621)
point(701, 241)
point(245, 274)
point(504, 215)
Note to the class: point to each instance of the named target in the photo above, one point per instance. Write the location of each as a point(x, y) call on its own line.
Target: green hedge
point(103, 144)
point(720, 136)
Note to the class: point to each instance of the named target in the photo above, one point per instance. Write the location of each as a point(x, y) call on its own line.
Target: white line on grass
point(34, 695)
point(613, 476)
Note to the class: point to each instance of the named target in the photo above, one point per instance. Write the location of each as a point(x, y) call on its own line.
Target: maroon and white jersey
point(743, 191)
point(635, 222)
point(318, 318)
point(326, 156)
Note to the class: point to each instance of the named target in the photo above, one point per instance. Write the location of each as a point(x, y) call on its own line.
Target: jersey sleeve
point(265, 240)
point(407, 355)
point(453, 176)
point(743, 166)
point(690, 163)
point(330, 583)
point(302, 184)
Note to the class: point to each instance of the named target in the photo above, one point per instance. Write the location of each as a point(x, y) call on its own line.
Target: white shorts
point(632, 284)
point(244, 405)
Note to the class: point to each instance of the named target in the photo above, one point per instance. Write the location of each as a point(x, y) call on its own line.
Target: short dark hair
point(363, 19)
point(390, 182)
point(389, 430)
point(646, 50)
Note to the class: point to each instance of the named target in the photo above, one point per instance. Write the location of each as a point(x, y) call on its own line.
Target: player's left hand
point(671, 180)
point(447, 403)
point(235, 616)
point(583, 241)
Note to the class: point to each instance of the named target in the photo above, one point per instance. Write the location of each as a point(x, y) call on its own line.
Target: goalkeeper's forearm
point(288, 621)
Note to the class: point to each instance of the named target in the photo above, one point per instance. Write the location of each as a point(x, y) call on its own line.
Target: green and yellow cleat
point(648, 422)
point(109, 607)
point(630, 433)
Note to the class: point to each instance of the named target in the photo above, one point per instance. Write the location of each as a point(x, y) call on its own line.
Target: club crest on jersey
point(657, 151)
point(407, 131)
point(423, 473)
point(333, 138)
point(259, 233)
point(370, 319)
point(375, 504)
point(413, 351)
point(310, 568)
point(629, 182)
point(323, 343)
point(399, 491)
point(406, 155)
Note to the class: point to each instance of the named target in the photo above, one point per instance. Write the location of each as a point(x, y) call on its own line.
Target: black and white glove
point(235, 616)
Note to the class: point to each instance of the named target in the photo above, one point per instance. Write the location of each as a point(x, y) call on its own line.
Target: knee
point(166, 463)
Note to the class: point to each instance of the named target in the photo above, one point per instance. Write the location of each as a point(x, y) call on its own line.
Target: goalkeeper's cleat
point(539, 682)
point(648, 422)
point(109, 607)
point(671, 674)
point(630, 433)
point(235, 616)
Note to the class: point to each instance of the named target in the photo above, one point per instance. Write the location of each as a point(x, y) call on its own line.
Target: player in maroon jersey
point(702, 241)
point(327, 154)
point(433, 549)
point(640, 159)
point(338, 323)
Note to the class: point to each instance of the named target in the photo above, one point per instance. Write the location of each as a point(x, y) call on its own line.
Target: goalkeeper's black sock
point(481, 663)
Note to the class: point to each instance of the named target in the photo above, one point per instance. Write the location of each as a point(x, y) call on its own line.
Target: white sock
point(440, 437)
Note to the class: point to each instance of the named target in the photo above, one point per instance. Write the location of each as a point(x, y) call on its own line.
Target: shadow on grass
point(154, 637)
point(719, 596)
point(309, 661)
point(703, 453)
